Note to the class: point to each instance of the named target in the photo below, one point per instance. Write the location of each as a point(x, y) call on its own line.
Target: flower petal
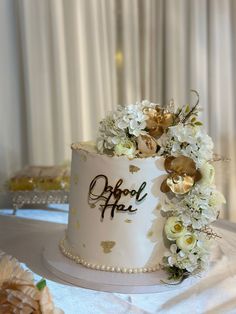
point(183, 165)
point(164, 187)
point(167, 163)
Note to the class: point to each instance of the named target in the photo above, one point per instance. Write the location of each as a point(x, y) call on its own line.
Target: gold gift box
point(40, 178)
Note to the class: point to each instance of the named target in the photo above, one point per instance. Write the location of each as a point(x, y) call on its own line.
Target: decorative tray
point(21, 198)
point(39, 185)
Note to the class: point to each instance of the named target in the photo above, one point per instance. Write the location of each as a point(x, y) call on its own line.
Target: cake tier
point(114, 219)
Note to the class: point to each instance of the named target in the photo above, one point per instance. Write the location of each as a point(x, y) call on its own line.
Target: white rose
point(125, 147)
point(208, 174)
point(186, 242)
point(174, 228)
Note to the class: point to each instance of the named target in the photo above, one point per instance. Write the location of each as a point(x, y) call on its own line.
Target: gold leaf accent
point(73, 211)
point(128, 221)
point(76, 179)
point(107, 246)
point(150, 234)
point(92, 205)
point(133, 168)
point(83, 157)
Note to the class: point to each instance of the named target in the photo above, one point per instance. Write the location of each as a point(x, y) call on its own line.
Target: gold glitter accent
point(73, 211)
point(83, 157)
point(107, 246)
point(76, 179)
point(150, 234)
point(128, 221)
point(133, 168)
point(77, 224)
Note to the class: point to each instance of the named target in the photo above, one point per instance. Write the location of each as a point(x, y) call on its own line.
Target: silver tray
point(22, 198)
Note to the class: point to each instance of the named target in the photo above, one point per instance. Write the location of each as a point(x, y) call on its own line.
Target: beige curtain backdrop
point(66, 63)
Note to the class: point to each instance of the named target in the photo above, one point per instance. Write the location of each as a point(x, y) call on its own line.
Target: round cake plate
point(81, 276)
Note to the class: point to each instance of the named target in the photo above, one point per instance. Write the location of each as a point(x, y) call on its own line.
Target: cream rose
point(125, 147)
point(174, 228)
point(146, 145)
point(208, 174)
point(186, 242)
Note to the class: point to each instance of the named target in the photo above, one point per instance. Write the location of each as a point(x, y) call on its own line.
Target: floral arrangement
point(19, 294)
point(190, 200)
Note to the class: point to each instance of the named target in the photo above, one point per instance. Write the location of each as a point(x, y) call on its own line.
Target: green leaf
point(193, 119)
point(187, 109)
point(198, 123)
point(41, 284)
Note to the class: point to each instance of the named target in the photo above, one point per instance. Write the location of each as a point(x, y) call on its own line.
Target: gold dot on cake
point(133, 168)
point(76, 179)
point(83, 157)
point(128, 221)
point(92, 205)
point(150, 234)
point(73, 211)
point(107, 246)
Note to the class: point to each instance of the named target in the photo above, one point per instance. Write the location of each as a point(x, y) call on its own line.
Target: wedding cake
point(142, 197)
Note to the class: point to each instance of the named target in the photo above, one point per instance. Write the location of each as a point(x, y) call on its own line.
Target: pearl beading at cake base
point(76, 258)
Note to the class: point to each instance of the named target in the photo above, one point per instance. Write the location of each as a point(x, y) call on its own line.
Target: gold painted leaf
point(128, 221)
point(107, 246)
point(133, 168)
point(150, 234)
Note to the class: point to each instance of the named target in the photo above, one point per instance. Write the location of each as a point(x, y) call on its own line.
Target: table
point(214, 293)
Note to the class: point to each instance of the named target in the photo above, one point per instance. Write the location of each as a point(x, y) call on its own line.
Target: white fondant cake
point(144, 195)
point(114, 220)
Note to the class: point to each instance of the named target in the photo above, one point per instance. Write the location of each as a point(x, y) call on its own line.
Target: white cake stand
point(81, 276)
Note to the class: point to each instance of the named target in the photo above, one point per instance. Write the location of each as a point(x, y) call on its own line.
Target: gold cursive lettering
point(100, 190)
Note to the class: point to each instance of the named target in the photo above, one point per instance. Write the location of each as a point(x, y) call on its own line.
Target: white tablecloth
point(214, 293)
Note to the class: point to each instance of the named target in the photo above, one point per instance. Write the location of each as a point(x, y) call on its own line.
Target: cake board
point(78, 275)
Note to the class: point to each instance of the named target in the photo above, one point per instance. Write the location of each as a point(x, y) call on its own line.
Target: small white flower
point(186, 242)
point(174, 228)
point(125, 147)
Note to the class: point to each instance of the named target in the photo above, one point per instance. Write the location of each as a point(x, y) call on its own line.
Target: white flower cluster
point(123, 124)
point(198, 208)
point(189, 215)
point(187, 140)
point(192, 261)
point(146, 129)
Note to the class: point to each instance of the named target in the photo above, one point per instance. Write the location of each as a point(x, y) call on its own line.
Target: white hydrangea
point(187, 140)
point(121, 124)
point(197, 208)
point(109, 135)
